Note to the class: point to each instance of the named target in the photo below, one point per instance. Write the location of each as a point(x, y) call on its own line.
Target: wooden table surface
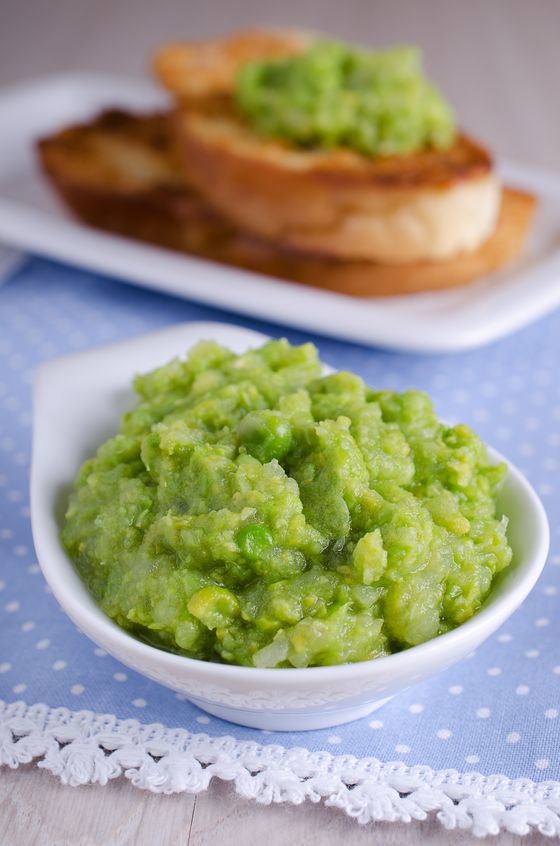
point(499, 65)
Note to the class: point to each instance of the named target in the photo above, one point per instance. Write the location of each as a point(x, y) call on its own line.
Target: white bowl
point(78, 403)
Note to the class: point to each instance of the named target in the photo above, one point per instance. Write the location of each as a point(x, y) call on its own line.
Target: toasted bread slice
point(119, 173)
point(429, 205)
point(90, 167)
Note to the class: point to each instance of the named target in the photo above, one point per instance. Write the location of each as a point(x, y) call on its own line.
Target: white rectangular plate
point(447, 321)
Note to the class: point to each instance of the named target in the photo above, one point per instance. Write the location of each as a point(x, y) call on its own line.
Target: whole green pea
point(253, 540)
point(265, 435)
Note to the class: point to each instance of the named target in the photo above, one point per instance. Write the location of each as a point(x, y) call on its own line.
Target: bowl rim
point(90, 618)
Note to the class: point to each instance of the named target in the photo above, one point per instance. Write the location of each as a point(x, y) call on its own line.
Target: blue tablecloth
point(496, 712)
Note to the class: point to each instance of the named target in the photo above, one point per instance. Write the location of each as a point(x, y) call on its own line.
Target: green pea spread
point(253, 511)
point(377, 103)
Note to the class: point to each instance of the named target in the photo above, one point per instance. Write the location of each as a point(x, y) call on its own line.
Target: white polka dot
point(376, 724)
point(5, 534)
point(483, 713)
point(542, 378)
point(16, 362)
point(47, 350)
point(76, 689)
point(14, 496)
point(545, 489)
point(34, 336)
point(391, 378)
point(542, 764)
point(120, 677)
point(33, 569)
point(503, 433)
point(439, 380)
point(332, 738)
point(509, 406)
point(444, 734)
point(556, 670)
point(107, 330)
point(532, 423)
point(19, 688)
point(416, 708)
point(526, 449)
point(99, 652)
point(59, 665)
point(204, 720)
point(551, 713)
point(77, 339)
point(20, 550)
point(2, 584)
point(472, 759)
point(513, 737)
point(12, 606)
point(493, 671)
point(551, 464)
point(402, 748)
point(522, 690)
point(505, 638)
point(455, 689)
point(541, 622)
point(550, 590)
point(480, 415)
point(537, 398)
point(459, 395)
point(43, 644)
point(488, 389)
point(29, 626)
point(139, 703)
point(5, 666)
point(532, 653)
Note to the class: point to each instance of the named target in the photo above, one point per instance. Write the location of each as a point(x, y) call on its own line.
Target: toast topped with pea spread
point(120, 172)
point(328, 149)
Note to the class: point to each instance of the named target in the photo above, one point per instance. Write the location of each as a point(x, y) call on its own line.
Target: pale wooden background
point(498, 61)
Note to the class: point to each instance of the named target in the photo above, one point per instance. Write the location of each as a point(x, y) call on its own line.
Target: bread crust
point(200, 70)
point(84, 168)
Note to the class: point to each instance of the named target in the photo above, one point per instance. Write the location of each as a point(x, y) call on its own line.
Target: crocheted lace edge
point(81, 747)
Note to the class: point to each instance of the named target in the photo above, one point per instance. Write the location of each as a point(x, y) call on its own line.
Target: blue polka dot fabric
point(496, 712)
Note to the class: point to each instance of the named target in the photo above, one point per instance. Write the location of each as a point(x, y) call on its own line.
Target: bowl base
point(300, 720)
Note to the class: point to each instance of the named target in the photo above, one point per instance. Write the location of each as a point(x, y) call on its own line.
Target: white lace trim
point(81, 747)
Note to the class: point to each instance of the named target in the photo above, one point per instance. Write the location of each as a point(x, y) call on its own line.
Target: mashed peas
point(253, 511)
point(378, 103)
